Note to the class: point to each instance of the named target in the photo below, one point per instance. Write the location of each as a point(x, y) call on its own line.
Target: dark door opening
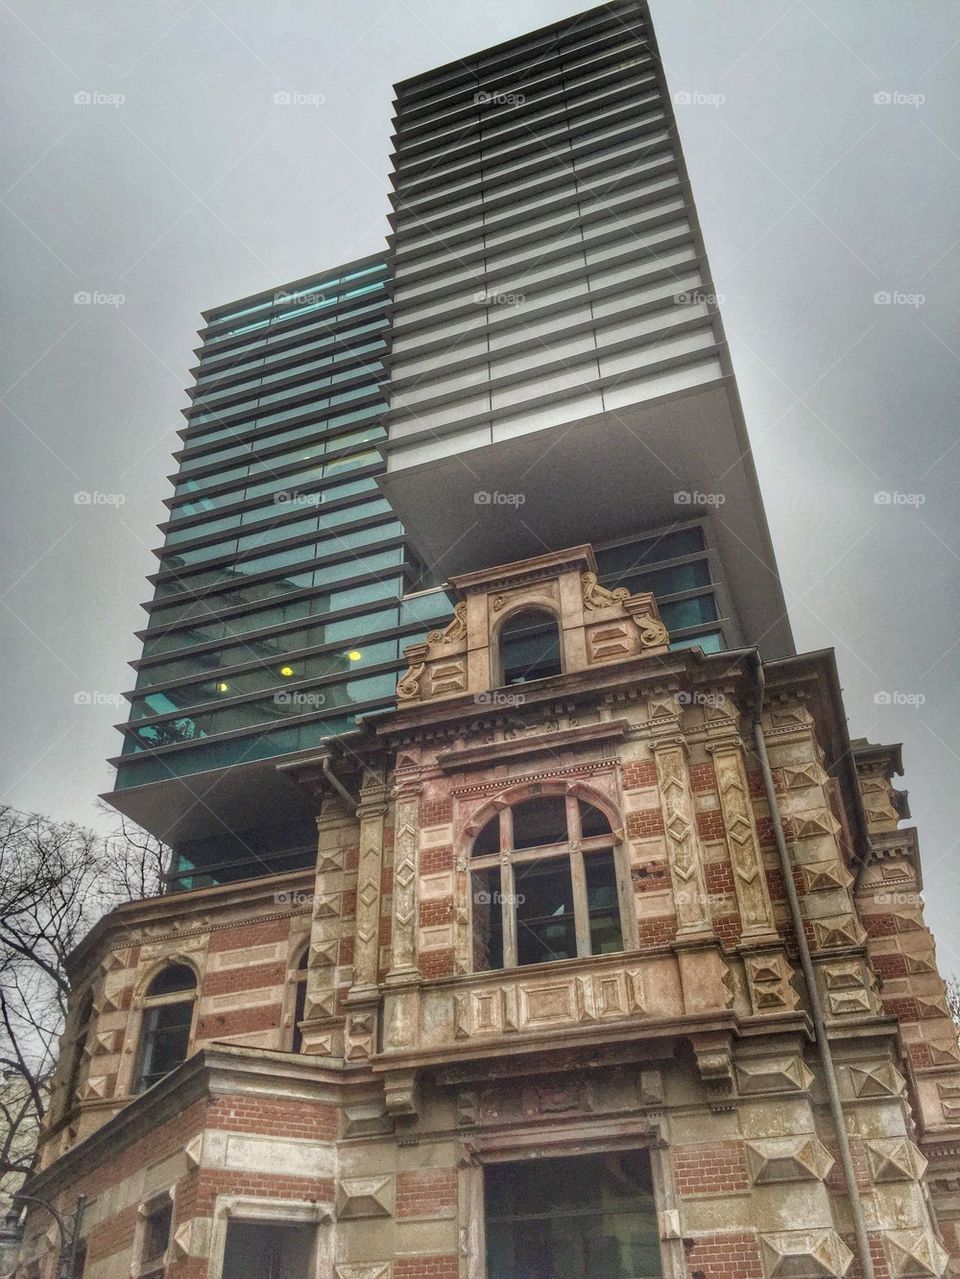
point(591, 1217)
point(269, 1251)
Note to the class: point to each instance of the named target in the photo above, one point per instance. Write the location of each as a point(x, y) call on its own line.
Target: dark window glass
point(488, 841)
point(711, 642)
point(540, 821)
point(544, 901)
point(530, 648)
point(702, 608)
point(174, 978)
point(606, 935)
point(156, 1236)
point(592, 821)
point(666, 546)
point(166, 1035)
point(669, 581)
point(487, 920)
point(299, 1003)
point(588, 1218)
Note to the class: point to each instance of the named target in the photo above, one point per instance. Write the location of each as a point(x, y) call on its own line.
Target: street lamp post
point(11, 1235)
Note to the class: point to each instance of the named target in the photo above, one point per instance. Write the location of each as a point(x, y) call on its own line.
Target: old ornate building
point(541, 1010)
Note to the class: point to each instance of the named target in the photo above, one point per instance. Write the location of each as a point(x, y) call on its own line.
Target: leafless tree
point(56, 880)
point(953, 997)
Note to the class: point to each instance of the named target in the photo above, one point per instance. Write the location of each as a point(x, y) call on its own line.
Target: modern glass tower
point(558, 368)
point(537, 362)
point(276, 617)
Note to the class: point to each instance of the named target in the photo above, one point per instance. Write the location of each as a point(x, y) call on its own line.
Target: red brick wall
point(433, 860)
point(639, 775)
point(710, 1167)
point(433, 1267)
point(430, 1192)
point(733, 1256)
point(645, 823)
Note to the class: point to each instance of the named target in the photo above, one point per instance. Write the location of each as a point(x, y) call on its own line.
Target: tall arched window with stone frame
point(547, 882)
point(166, 1026)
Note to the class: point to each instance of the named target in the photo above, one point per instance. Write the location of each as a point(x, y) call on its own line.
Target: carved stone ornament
point(879, 1080)
point(409, 685)
point(778, 1159)
point(804, 1254)
point(597, 596)
point(364, 1197)
point(894, 1159)
point(783, 1073)
point(454, 631)
point(913, 1254)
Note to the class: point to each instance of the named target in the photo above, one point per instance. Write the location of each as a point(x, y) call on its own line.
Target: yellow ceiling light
point(287, 671)
point(354, 655)
point(223, 686)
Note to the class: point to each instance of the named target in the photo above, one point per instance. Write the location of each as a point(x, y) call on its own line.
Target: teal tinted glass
point(682, 613)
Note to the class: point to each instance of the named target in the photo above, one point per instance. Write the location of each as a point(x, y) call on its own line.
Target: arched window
point(71, 1093)
point(529, 647)
point(167, 1019)
point(544, 884)
point(299, 1001)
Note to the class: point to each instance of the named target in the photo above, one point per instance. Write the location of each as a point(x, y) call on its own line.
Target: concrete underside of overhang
point(598, 478)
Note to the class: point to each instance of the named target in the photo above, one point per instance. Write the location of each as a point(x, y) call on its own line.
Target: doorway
point(267, 1251)
point(581, 1218)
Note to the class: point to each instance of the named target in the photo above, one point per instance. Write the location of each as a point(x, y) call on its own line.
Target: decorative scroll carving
point(597, 596)
point(679, 819)
point(455, 630)
point(409, 686)
point(750, 881)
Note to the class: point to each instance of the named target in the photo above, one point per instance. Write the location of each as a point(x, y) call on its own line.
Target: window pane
point(488, 841)
point(157, 1234)
point(166, 1036)
point(702, 608)
point(592, 821)
point(606, 935)
point(530, 648)
point(544, 905)
point(487, 919)
point(540, 821)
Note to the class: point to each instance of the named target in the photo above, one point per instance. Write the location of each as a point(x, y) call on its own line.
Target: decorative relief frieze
point(680, 823)
point(545, 1004)
point(750, 881)
point(405, 886)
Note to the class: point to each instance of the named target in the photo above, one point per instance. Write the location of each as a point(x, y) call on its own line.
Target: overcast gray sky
point(181, 185)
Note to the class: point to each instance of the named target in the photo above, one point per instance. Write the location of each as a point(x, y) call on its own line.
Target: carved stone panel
point(750, 881)
point(680, 823)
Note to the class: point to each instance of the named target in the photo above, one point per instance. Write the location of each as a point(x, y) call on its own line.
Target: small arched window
point(167, 1020)
point(71, 1095)
point(299, 1001)
point(545, 884)
point(529, 647)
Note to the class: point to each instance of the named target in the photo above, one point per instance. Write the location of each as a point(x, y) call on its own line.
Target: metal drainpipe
point(337, 784)
point(813, 994)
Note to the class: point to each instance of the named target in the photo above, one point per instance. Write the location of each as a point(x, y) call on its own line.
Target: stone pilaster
point(683, 842)
point(749, 877)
